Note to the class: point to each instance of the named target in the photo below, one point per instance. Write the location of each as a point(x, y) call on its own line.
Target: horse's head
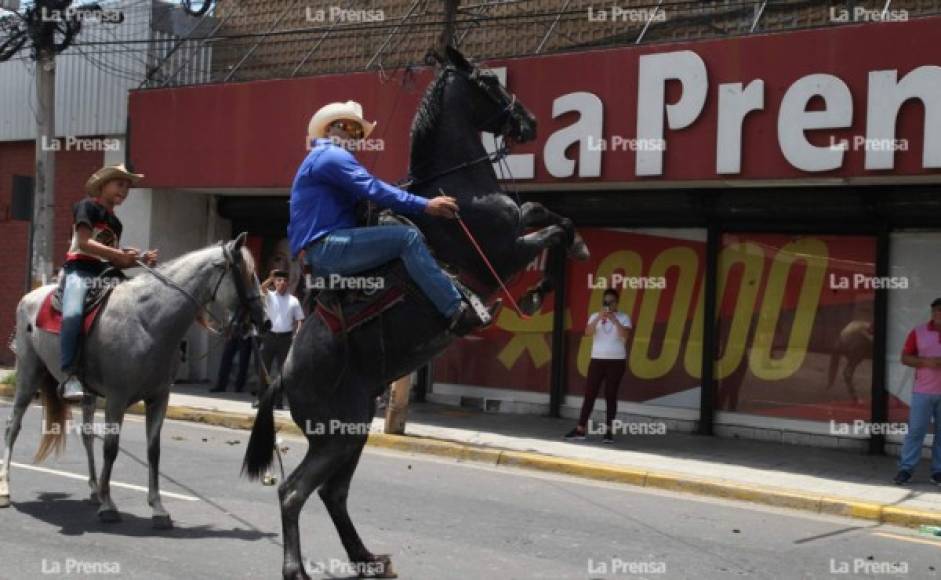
point(237, 288)
point(494, 109)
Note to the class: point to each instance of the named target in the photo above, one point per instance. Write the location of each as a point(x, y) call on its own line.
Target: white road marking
point(70, 475)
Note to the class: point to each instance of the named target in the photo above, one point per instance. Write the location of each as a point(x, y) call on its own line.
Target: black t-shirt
point(105, 229)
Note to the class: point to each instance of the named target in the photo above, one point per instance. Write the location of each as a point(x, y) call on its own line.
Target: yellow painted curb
point(435, 447)
point(586, 469)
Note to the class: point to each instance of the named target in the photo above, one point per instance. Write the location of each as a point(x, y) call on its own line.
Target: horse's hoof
point(298, 574)
point(109, 516)
point(380, 566)
point(162, 522)
point(4, 501)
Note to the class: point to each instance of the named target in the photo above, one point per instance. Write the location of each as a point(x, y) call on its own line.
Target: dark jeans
point(274, 348)
point(242, 347)
point(608, 371)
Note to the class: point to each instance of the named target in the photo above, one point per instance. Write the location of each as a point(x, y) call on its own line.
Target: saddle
point(345, 309)
point(49, 317)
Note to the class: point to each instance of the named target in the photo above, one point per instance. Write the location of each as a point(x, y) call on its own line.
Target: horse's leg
point(334, 492)
point(293, 492)
point(527, 248)
point(536, 215)
point(852, 361)
point(114, 419)
point(155, 411)
point(30, 371)
point(88, 440)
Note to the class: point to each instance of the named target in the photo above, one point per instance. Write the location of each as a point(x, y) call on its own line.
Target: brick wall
point(487, 29)
point(72, 169)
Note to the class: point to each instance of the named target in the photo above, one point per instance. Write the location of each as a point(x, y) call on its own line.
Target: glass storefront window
point(795, 327)
point(913, 259)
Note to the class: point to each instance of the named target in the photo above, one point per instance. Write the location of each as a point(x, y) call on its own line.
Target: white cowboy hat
point(348, 111)
point(106, 174)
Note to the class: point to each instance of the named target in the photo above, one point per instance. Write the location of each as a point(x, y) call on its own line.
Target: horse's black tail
point(260, 452)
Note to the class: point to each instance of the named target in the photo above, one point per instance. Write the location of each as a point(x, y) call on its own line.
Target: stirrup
point(467, 319)
point(71, 390)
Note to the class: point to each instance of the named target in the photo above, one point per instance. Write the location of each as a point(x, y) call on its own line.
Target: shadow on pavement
point(75, 517)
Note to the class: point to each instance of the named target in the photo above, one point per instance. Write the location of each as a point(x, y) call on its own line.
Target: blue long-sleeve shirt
point(326, 188)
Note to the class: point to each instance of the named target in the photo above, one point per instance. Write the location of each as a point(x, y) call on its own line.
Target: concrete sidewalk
point(814, 479)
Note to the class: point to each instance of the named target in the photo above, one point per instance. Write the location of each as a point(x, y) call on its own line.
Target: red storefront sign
point(851, 102)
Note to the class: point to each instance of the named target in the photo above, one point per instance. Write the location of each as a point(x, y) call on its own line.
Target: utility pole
point(44, 204)
point(447, 32)
point(47, 27)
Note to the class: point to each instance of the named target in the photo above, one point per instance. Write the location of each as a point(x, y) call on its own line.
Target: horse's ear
point(434, 56)
point(239, 241)
point(457, 59)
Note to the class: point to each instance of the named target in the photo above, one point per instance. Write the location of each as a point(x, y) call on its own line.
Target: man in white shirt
point(610, 330)
point(286, 314)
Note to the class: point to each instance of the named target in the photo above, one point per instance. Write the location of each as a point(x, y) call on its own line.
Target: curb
point(777, 497)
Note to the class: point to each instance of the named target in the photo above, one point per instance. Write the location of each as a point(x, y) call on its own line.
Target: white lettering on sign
point(816, 102)
point(886, 96)
point(584, 131)
point(794, 120)
point(655, 70)
point(734, 105)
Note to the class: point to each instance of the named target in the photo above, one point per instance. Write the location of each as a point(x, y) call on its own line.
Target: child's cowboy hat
point(106, 174)
point(348, 111)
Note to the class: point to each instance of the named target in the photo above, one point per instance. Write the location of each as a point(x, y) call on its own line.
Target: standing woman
point(610, 330)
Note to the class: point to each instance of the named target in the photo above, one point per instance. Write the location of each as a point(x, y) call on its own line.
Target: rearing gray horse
point(130, 355)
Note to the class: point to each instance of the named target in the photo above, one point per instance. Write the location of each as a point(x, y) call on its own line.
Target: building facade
point(767, 204)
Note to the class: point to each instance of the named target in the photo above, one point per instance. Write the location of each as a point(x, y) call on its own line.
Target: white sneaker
point(71, 390)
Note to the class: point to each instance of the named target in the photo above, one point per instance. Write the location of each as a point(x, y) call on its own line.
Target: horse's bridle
point(247, 298)
point(507, 113)
point(231, 262)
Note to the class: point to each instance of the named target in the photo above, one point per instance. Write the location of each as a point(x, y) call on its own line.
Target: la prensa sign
point(864, 102)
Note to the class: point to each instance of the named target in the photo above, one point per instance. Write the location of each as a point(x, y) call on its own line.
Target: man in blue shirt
point(330, 182)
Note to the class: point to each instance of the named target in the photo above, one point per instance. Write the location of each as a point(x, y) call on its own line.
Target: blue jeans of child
point(923, 408)
point(77, 282)
point(350, 251)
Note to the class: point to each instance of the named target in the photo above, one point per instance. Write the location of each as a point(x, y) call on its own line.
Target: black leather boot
point(465, 320)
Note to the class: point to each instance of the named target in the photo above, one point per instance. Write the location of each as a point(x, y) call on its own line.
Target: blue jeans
point(73, 302)
point(924, 407)
point(350, 251)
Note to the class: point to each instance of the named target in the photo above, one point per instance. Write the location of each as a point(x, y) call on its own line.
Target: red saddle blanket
point(50, 319)
point(340, 319)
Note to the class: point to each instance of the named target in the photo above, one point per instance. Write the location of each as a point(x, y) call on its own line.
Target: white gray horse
point(130, 355)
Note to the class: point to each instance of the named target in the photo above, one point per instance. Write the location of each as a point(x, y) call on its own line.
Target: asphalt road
point(439, 519)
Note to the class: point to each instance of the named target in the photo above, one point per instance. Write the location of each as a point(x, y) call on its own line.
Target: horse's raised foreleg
point(114, 419)
point(30, 372)
point(88, 440)
point(527, 248)
point(334, 493)
point(314, 469)
point(536, 215)
point(155, 411)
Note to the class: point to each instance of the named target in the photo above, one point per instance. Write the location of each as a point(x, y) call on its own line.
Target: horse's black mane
point(429, 110)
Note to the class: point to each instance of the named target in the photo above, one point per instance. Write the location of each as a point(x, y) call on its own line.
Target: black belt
point(288, 333)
